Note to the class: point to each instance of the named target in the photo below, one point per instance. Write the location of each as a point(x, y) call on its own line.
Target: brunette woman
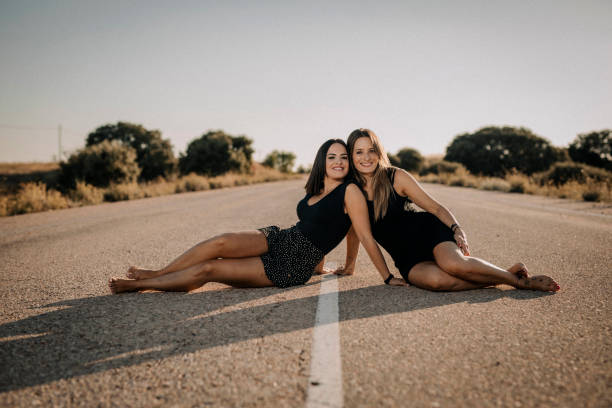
point(429, 248)
point(271, 256)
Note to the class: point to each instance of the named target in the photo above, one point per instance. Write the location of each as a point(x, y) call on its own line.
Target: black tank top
point(324, 223)
point(387, 230)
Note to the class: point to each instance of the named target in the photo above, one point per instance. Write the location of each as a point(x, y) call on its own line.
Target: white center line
point(325, 382)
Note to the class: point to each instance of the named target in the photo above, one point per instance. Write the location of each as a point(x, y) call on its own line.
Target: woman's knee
point(456, 264)
point(434, 282)
point(220, 243)
point(204, 271)
point(426, 277)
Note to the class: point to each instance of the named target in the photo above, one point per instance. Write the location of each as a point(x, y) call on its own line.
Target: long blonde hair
point(381, 186)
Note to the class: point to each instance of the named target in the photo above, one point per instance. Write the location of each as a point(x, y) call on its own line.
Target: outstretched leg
point(428, 275)
point(231, 245)
point(450, 259)
point(244, 272)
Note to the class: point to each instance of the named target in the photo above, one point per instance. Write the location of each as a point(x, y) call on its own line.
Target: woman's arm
point(352, 248)
point(356, 207)
point(406, 185)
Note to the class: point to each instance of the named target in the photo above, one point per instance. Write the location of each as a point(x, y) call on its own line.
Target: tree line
point(126, 152)
point(496, 151)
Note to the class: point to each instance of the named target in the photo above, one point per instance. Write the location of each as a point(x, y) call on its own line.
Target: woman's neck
point(367, 179)
point(329, 184)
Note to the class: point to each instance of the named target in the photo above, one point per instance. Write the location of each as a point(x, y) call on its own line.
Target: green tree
point(280, 160)
point(410, 159)
point(494, 151)
point(100, 164)
point(216, 152)
point(154, 155)
point(394, 160)
point(593, 148)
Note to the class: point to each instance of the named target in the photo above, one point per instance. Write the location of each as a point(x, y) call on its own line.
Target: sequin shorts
point(291, 257)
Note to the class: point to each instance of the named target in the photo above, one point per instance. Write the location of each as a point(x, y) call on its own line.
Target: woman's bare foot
point(139, 273)
point(539, 282)
point(519, 270)
point(117, 285)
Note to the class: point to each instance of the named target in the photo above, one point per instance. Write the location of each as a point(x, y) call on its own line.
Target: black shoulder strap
point(391, 174)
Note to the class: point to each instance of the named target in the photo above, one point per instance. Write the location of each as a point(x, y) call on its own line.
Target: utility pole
point(59, 143)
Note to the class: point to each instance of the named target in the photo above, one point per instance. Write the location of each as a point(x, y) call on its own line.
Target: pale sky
point(292, 74)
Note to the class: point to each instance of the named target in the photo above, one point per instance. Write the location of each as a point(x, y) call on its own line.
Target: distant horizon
point(291, 75)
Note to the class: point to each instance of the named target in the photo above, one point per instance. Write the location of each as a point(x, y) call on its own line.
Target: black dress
point(294, 252)
point(407, 235)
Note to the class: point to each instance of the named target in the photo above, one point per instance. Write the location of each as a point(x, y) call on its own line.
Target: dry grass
point(35, 196)
point(86, 194)
point(461, 178)
point(26, 168)
point(591, 190)
point(494, 184)
point(191, 182)
point(122, 192)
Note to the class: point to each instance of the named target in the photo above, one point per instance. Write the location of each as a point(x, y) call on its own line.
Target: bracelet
point(454, 227)
point(389, 279)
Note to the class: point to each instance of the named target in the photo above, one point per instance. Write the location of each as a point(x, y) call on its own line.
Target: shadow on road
point(95, 334)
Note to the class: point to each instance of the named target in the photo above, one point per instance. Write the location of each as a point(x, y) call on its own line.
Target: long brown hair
point(381, 186)
point(314, 185)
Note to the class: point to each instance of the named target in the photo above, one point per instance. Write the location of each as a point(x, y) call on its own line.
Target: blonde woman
point(429, 248)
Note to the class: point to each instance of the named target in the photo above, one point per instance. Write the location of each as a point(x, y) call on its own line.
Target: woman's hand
point(461, 240)
point(398, 282)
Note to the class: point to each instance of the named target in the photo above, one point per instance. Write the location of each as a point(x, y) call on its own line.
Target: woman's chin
point(366, 171)
point(337, 176)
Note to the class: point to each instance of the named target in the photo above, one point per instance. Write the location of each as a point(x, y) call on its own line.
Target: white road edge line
point(325, 382)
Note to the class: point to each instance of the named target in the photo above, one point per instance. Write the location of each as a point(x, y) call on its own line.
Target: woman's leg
point(244, 272)
point(450, 259)
point(231, 245)
point(428, 275)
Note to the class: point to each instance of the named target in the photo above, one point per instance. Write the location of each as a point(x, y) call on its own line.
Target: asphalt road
point(65, 341)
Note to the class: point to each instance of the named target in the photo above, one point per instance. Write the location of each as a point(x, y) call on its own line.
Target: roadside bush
point(494, 151)
point(303, 170)
point(154, 155)
point(99, 165)
point(280, 160)
point(192, 182)
point(440, 166)
point(86, 194)
point(520, 183)
point(394, 160)
point(594, 149)
point(591, 195)
point(123, 191)
point(159, 187)
point(495, 184)
point(4, 206)
point(460, 178)
point(34, 197)
point(215, 153)
point(562, 173)
point(410, 159)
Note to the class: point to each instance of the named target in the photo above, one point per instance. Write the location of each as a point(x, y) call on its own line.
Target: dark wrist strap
point(454, 227)
point(389, 279)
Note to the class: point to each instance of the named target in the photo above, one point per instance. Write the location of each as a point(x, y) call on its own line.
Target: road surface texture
point(65, 341)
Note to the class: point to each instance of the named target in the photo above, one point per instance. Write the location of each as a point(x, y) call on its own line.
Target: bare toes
point(544, 283)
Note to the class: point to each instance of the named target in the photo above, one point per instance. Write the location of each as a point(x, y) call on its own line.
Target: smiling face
point(365, 159)
point(336, 162)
